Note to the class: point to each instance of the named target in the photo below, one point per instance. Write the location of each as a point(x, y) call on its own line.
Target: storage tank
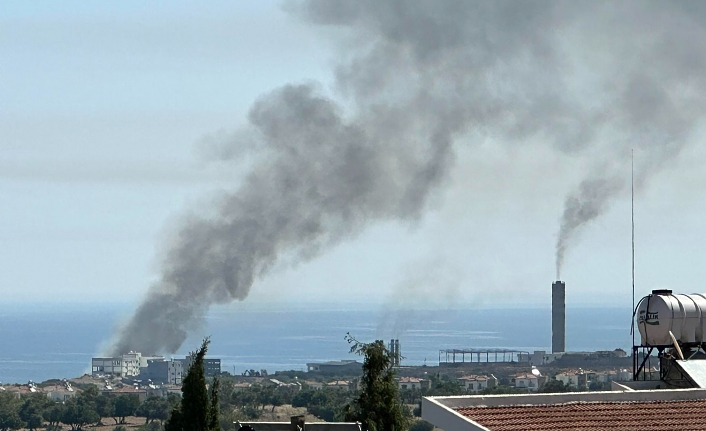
point(662, 312)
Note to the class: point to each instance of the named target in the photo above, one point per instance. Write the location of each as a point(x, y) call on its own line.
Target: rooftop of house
point(411, 380)
point(473, 377)
point(589, 416)
point(22, 389)
point(525, 376)
point(643, 410)
point(60, 388)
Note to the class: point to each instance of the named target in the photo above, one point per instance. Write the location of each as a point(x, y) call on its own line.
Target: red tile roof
point(687, 415)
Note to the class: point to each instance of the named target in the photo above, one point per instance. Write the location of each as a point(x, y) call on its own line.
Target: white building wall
point(175, 371)
point(530, 383)
point(131, 363)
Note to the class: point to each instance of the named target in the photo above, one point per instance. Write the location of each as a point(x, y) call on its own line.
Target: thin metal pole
point(632, 220)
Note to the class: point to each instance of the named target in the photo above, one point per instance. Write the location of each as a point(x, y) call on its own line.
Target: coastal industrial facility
point(665, 390)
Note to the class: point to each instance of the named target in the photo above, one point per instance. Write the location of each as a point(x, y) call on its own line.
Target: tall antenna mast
point(632, 220)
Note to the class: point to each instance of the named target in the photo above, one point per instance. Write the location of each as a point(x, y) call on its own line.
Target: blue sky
point(103, 106)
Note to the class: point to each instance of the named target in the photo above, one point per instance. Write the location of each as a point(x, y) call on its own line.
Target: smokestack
point(394, 348)
point(558, 317)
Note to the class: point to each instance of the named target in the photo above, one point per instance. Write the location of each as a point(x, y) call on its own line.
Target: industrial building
point(211, 367)
point(667, 389)
point(558, 317)
point(126, 365)
point(154, 368)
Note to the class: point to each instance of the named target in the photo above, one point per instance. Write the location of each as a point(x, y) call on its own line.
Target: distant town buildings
point(473, 384)
point(335, 367)
point(526, 381)
point(155, 368)
point(413, 383)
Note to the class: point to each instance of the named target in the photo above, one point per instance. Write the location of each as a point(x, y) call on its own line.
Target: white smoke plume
point(591, 79)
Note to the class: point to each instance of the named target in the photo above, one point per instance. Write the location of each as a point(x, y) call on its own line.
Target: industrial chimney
point(394, 348)
point(558, 317)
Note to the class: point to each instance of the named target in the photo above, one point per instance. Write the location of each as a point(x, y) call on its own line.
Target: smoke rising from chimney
point(581, 207)
point(590, 79)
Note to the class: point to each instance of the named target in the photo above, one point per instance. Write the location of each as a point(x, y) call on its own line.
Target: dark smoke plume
point(591, 79)
point(583, 206)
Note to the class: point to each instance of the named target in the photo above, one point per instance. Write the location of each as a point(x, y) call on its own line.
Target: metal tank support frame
point(646, 353)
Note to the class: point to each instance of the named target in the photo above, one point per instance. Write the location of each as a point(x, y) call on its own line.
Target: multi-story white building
point(125, 365)
point(133, 363)
point(175, 371)
point(112, 366)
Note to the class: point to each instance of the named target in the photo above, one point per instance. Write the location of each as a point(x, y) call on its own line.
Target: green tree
point(79, 412)
point(152, 426)
point(443, 386)
point(154, 408)
point(53, 414)
point(378, 405)
point(195, 402)
point(124, 406)
point(421, 425)
point(31, 410)
point(213, 410)
point(553, 386)
point(194, 413)
point(175, 421)
point(10, 412)
point(105, 407)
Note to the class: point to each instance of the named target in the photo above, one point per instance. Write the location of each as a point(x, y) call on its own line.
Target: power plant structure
point(394, 348)
point(558, 317)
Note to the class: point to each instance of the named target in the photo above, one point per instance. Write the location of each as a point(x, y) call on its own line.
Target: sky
point(107, 110)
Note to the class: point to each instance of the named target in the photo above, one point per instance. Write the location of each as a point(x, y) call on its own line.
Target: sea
point(48, 341)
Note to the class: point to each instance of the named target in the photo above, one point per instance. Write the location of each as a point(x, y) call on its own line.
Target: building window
point(470, 386)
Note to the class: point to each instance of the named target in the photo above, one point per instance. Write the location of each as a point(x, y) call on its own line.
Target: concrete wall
point(441, 416)
point(112, 366)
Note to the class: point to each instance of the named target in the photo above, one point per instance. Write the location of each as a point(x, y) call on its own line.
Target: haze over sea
point(40, 342)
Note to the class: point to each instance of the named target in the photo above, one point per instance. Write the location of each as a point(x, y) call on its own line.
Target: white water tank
point(661, 312)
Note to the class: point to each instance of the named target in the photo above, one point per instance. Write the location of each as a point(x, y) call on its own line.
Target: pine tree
point(195, 412)
point(378, 406)
point(213, 411)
